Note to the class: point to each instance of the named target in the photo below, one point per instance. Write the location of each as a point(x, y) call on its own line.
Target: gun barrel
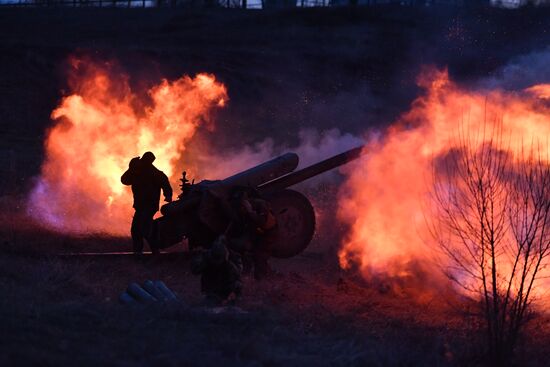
point(252, 177)
point(262, 173)
point(305, 173)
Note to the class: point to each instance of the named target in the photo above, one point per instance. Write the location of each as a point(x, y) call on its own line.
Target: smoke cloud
point(521, 72)
point(312, 146)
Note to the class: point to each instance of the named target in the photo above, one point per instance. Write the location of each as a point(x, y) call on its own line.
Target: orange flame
point(98, 128)
point(385, 197)
point(540, 90)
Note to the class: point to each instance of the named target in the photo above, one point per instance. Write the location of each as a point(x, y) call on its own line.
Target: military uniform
point(147, 181)
point(254, 220)
point(220, 270)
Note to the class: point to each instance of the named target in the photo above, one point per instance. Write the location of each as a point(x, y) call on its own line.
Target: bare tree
point(493, 221)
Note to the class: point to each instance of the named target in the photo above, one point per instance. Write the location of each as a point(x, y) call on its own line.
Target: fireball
point(98, 128)
point(386, 198)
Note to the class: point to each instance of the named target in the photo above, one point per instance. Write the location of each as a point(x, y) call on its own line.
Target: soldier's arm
point(166, 188)
point(268, 220)
point(250, 212)
point(128, 176)
point(257, 213)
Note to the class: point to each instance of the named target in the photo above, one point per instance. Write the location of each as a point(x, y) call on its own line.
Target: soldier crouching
point(254, 220)
point(220, 271)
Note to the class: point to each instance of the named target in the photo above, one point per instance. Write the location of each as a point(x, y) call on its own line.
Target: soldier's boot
point(262, 269)
point(137, 246)
point(154, 250)
point(137, 236)
point(248, 264)
point(212, 300)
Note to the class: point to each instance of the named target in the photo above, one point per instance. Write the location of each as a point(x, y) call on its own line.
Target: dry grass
point(64, 311)
point(58, 310)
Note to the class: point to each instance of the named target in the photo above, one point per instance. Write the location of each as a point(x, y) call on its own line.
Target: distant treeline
point(264, 4)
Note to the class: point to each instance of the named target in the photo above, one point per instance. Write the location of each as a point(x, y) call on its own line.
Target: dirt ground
point(357, 66)
point(59, 310)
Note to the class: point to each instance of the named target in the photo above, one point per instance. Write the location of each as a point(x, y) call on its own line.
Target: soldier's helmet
point(134, 163)
point(218, 251)
point(148, 158)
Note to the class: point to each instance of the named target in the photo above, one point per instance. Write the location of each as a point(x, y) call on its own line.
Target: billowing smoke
point(383, 196)
point(386, 197)
point(103, 123)
point(521, 72)
point(312, 146)
point(98, 127)
point(515, 4)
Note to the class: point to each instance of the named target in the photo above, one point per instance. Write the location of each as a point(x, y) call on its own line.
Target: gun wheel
point(295, 223)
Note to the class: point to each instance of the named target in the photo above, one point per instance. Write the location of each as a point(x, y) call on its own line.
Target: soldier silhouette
point(146, 181)
point(220, 270)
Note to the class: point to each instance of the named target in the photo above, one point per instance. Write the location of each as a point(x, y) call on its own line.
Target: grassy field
point(64, 310)
point(57, 310)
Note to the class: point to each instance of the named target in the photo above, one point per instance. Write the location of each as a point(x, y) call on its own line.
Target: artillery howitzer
point(199, 214)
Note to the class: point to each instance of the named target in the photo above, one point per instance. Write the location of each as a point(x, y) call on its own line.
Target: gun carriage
point(201, 214)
